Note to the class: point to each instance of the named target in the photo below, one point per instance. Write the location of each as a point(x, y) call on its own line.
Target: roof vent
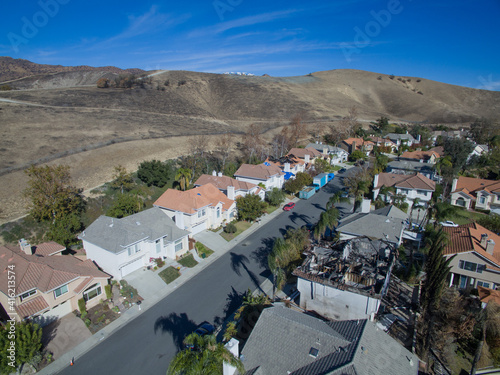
point(313, 352)
point(138, 223)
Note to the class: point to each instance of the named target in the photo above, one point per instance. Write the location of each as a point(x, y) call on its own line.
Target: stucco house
point(308, 154)
point(230, 186)
point(412, 167)
point(429, 156)
point(198, 209)
point(269, 175)
point(289, 164)
point(411, 186)
point(335, 154)
point(402, 139)
point(122, 246)
point(469, 192)
point(384, 142)
point(352, 144)
point(477, 256)
point(44, 285)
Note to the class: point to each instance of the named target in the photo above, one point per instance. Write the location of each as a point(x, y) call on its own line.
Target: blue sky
point(455, 41)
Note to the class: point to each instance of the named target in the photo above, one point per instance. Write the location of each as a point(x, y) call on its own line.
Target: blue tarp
point(288, 175)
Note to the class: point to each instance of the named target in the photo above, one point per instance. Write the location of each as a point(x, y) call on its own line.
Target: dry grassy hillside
point(60, 118)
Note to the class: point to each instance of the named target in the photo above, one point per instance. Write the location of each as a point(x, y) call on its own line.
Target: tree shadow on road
point(178, 325)
point(260, 255)
point(233, 302)
point(305, 218)
point(238, 262)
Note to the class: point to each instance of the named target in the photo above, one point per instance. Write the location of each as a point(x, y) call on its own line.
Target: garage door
point(131, 267)
point(54, 314)
point(199, 227)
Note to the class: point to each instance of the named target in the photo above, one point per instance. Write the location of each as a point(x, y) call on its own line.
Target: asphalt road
point(148, 343)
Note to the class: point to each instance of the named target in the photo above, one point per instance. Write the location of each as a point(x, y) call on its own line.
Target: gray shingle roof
point(385, 223)
point(114, 235)
point(282, 338)
point(410, 165)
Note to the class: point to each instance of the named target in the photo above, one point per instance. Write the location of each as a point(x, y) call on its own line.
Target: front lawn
point(203, 251)
point(241, 226)
point(188, 261)
point(169, 274)
point(463, 216)
point(270, 209)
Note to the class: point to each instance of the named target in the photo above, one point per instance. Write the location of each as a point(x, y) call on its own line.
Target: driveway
point(64, 334)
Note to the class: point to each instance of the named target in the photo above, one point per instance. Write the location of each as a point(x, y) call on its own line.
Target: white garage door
point(131, 267)
point(54, 314)
point(199, 227)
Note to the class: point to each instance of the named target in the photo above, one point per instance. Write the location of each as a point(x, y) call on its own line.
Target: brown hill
point(13, 69)
point(75, 122)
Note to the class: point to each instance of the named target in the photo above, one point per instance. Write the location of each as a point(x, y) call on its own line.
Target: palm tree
point(327, 220)
point(206, 357)
point(277, 261)
point(183, 176)
point(334, 199)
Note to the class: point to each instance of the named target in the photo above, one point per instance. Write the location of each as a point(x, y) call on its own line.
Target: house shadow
point(239, 263)
point(178, 325)
point(49, 329)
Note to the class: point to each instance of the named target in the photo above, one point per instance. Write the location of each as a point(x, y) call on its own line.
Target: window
point(92, 292)
point(60, 291)
point(165, 241)
point(469, 266)
point(158, 246)
point(28, 294)
point(482, 283)
point(202, 212)
point(422, 192)
point(218, 212)
point(133, 249)
point(482, 200)
point(178, 245)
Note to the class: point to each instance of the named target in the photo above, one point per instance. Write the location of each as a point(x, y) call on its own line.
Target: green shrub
point(88, 322)
point(81, 306)
point(109, 293)
point(84, 314)
point(230, 228)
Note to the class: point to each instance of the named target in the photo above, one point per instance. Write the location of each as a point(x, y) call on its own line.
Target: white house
point(478, 151)
point(412, 186)
point(269, 175)
point(289, 164)
point(403, 139)
point(204, 207)
point(336, 154)
point(121, 246)
point(230, 186)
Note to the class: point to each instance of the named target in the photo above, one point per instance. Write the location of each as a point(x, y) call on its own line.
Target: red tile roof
point(190, 201)
point(302, 152)
point(486, 294)
point(260, 171)
point(32, 307)
point(42, 273)
point(473, 185)
point(419, 155)
point(48, 248)
point(359, 142)
point(222, 182)
point(416, 181)
point(467, 238)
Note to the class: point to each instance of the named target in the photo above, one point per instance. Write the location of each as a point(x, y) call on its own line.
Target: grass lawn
point(463, 216)
point(169, 274)
point(203, 251)
point(188, 261)
point(241, 226)
point(336, 168)
point(271, 209)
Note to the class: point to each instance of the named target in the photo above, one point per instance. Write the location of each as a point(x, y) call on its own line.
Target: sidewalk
point(153, 289)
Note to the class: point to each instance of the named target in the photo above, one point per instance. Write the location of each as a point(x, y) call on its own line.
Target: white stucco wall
point(334, 303)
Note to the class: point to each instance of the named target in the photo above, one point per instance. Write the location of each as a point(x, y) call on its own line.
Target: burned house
point(346, 281)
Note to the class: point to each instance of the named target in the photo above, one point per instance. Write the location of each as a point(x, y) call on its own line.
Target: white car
point(448, 223)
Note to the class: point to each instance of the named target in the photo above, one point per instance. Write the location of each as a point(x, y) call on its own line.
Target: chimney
point(179, 219)
point(233, 347)
point(353, 146)
point(484, 240)
point(25, 247)
point(219, 174)
point(287, 167)
point(454, 185)
point(490, 247)
point(325, 151)
point(306, 158)
point(365, 206)
point(375, 181)
point(230, 192)
point(214, 173)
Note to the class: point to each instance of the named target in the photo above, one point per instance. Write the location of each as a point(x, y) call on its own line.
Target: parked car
point(203, 330)
point(342, 170)
point(448, 223)
point(288, 206)
point(344, 194)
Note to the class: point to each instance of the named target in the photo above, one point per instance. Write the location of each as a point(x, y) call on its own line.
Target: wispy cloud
point(241, 22)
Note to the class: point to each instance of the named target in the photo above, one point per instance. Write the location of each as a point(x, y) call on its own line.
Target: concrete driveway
point(64, 334)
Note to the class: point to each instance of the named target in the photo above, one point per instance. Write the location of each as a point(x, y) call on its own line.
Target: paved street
point(147, 343)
